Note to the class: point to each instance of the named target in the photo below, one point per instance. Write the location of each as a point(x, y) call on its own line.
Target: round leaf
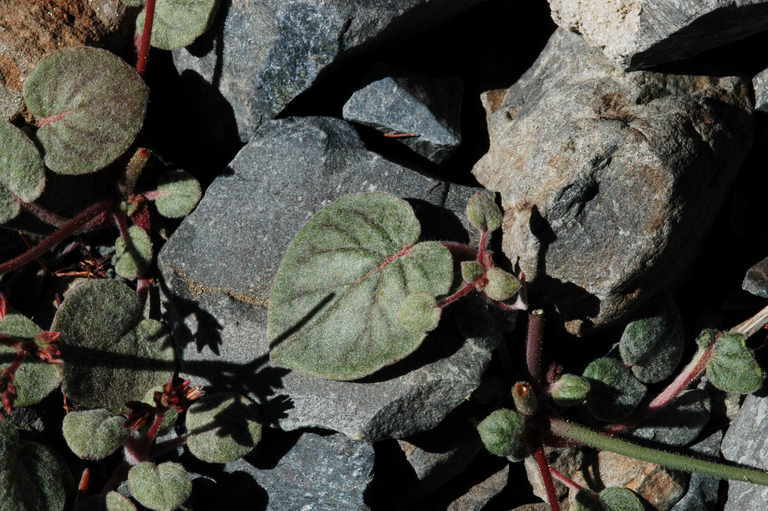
point(116, 502)
point(21, 171)
point(34, 379)
point(503, 433)
point(131, 259)
point(341, 283)
point(110, 354)
point(620, 499)
point(178, 194)
point(178, 23)
point(91, 105)
point(615, 392)
point(653, 346)
point(94, 434)
point(419, 313)
point(162, 487)
point(471, 271)
point(733, 367)
point(483, 213)
point(222, 428)
point(569, 390)
point(501, 285)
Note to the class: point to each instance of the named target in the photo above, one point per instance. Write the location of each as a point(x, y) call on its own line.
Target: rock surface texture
point(221, 261)
point(745, 442)
point(609, 179)
point(760, 84)
point(643, 33)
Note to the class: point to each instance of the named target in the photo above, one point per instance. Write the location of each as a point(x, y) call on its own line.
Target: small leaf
point(706, 338)
point(471, 271)
point(94, 434)
point(483, 213)
point(116, 502)
point(132, 259)
point(178, 23)
point(569, 390)
point(34, 380)
point(733, 367)
point(177, 194)
point(110, 354)
point(620, 499)
point(21, 171)
point(503, 433)
point(679, 423)
point(162, 487)
point(341, 283)
point(91, 106)
point(615, 392)
point(501, 285)
point(419, 313)
point(170, 416)
point(653, 346)
point(222, 428)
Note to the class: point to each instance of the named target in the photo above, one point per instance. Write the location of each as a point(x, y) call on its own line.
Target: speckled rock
point(760, 84)
point(745, 442)
point(756, 279)
point(609, 179)
point(643, 33)
point(481, 494)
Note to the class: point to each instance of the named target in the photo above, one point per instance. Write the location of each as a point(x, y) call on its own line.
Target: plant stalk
point(146, 37)
point(565, 480)
point(533, 346)
point(546, 476)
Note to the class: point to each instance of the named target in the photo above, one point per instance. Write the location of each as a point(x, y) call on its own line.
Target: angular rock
point(639, 34)
point(568, 461)
point(221, 261)
point(756, 279)
point(609, 179)
point(702, 489)
point(271, 51)
point(745, 442)
point(760, 84)
point(427, 107)
point(481, 494)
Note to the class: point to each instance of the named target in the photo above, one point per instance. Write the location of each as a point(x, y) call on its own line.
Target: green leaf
point(110, 354)
point(178, 23)
point(419, 313)
point(483, 213)
point(21, 171)
point(653, 346)
point(706, 338)
point(32, 477)
point(733, 367)
point(503, 433)
point(336, 297)
point(116, 502)
point(501, 285)
point(91, 106)
point(34, 379)
point(569, 390)
point(94, 434)
point(162, 487)
point(133, 3)
point(132, 259)
point(620, 499)
point(471, 271)
point(222, 428)
point(615, 392)
point(178, 194)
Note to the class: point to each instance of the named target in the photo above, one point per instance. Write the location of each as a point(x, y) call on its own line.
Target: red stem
point(565, 480)
point(43, 214)
point(146, 37)
point(155, 428)
point(533, 346)
point(546, 476)
point(463, 291)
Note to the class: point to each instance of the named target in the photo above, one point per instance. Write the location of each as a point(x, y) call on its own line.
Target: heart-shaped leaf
point(94, 434)
point(177, 194)
point(178, 23)
point(501, 285)
point(162, 487)
point(89, 105)
point(503, 433)
point(569, 390)
point(733, 367)
point(615, 392)
point(483, 213)
point(653, 346)
point(132, 259)
point(610, 499)
point(222, 428)
point(32, 477)
point(110, 354)
point(34, 380)
point(471, 271)
point(116, 502)
point(21, 171)
point(335, 302)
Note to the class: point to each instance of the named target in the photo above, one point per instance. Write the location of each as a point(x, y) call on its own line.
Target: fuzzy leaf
point(94, 434)
point(471, 271)
point(132, 260)
point(679, 423)
point(483, 213)
point(21, 171)
point(615, 392)
point(162, 487)
point(227, 428)
point(133, 3)
point(620, 499)
point(341, 283)
point(34, 380)
point(110, 354)
point(116, 502)
point(32, 477)
point(179, 193)
point(569, 390)
point(653, 346)
point(733, 367)
point(91, 105)
point(419, 313)
point(587, 500)
point(178, 23)
point(501, 285)
point(503, 433)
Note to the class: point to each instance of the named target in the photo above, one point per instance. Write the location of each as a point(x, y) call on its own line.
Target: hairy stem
point(533, 346)
point(43, 214)
point(546, 476)
point(146, 37)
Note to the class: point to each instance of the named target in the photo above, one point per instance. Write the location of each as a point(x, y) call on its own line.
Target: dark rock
point(609, 180)
point(745, 443)
point(415, 104)
point(756, 279)
point(702, 491)
point(221, 261)
point(680, 423)
point(481, 494)
point(640, 34)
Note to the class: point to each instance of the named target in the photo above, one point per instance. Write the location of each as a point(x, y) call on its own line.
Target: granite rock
point(427, 107)
point(221, 261)
point(643, 33)
point(609, 179)
point(760, 84)
point(745, 442)
point(756, 279)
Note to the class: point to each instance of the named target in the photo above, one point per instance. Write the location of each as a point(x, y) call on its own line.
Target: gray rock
point(745, 442)
point(681, 422)
point(415, 104)
point(702, 491)
point(760, 84)
point(221, 261)
point(481, 494)
point(609, 179)
point(756, 279)
point(642, 33)
point(270, 51)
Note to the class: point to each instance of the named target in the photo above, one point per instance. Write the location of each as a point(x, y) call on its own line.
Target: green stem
point(586, 436)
